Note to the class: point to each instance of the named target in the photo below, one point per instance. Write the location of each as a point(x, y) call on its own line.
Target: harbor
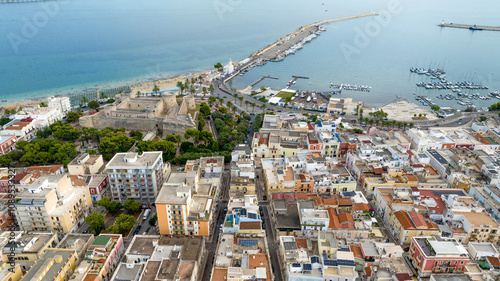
point(442, 83)
point(472, 27)
point(286, 45)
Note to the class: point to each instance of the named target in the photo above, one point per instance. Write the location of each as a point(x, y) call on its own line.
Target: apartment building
point(55, 264)
point(437, 255)
point(136, 176)
point(52, 204)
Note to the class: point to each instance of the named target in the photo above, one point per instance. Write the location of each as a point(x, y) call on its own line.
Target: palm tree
point(263, 107)
point(234, 109)
point(377, 121)
point(180, 85)
point(405, 124)
point(246, 104)
point(253, 106)
point(84, 100)
point(211, 88)
point(235, 97)
point(393, 122)
point(229, 103)
point(411, 125)
point(103, 95)
point(241, 101)
point(156, 89)
point(139, 93)
point(204, 91)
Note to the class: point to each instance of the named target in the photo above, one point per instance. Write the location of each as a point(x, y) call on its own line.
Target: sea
point(63, 47)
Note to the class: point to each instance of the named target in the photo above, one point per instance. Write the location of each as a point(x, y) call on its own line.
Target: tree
point(246, 104)
point(125, 222)
point(204, 89)
point(191, 133)
point(110, 101)
point(43, 104)
point(262, 89)
point(205, 136)
point(156, 89)
point(211, 88)
point(132, 206)
point(223, 109)
point(435, 107)
point(4, 120)
point(115, 229)
point(411, 125)
point(253, 106)
point(96, 221)
point(7, 111)
point(153, 219)
point(218, 66)
point(111, 206)
point(64, 131)
point(103, 95)
point(483, 118)
point(72, 117)
point(204, 109)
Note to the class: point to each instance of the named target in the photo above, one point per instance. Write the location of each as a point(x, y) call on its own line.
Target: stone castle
point(163, 115)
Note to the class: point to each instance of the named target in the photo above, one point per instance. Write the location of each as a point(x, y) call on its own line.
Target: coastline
point(142, 84)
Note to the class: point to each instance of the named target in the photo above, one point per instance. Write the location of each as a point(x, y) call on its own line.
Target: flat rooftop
point(143, 245)
point(134, 159)
point(191, 249)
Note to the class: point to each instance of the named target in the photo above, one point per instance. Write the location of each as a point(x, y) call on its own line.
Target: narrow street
point(212, 241)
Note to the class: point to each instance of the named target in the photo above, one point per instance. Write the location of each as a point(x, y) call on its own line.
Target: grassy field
point(285, 94)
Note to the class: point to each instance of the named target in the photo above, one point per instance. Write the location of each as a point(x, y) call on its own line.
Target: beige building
point(55, 264)
point(52, 204)
point(28, 248)
point(86, 164)
point(163, 115)
point(185, 204)
point(9, 273)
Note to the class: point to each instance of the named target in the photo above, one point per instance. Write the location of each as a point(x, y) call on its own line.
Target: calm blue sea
point(58, 47)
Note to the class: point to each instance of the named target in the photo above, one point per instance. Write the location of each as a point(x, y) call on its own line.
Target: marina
point(442, 83)
point(291, 82)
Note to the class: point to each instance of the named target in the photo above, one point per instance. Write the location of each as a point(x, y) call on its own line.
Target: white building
point(61, 103)
point(136, 176)
point(228, 68)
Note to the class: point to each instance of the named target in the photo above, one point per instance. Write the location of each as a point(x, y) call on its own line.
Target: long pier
point(262, 78)
point(22, 1)
point(265, 54)
point(470, 26)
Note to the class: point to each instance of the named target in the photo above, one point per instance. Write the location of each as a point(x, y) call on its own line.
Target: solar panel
point(330, 263)
point(345, 262)
point(307, 267)
point(252, 216)
point(248, 242)
point(345, 249)
point(314, 259)
point(295, 264)
point(243, 212)
point(325, 256)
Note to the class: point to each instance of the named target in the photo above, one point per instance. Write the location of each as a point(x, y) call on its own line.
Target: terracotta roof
point(304, 195)
point(345, 202)
point(301, 243)
point(356, 250)
point(368, 271)
point(418, 219)
point(257, 260)
point(310, 126)
point(346, 218)
point(403, 277)
point(77, 181)
point(219, 274)
point(411, 177)
point(264, 139)
point(378, 171)
point(334, 219)
point(362, 207)
point(38, 171)
point(250, 225)
point(494, 261)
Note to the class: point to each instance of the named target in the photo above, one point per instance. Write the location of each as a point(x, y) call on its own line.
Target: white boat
point(308, 98)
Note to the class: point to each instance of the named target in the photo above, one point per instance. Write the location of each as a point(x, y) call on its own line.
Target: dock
point(294, 79)
point(472, 27)
point(262, 78)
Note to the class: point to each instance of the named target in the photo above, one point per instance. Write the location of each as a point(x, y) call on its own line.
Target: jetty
point(21, 1)
point(470, 26)
point(295, 77)
point(278, 49)
point(262, 78)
